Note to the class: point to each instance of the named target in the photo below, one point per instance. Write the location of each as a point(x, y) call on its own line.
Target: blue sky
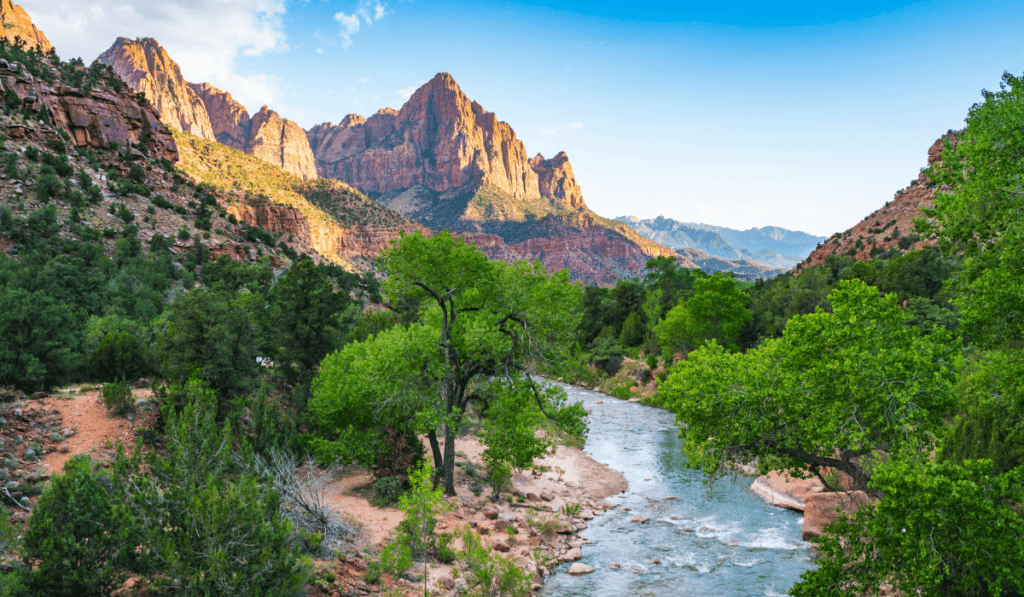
point(806, 116)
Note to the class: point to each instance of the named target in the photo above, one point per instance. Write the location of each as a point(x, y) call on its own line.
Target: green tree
point(303, 320)
point(481, 321)
point(76, 542)
point(40, 340)
point(832, 392)
point(943, 529)
point(213, 334)
point(716, 311)
point(977, 212)
point(421, 506)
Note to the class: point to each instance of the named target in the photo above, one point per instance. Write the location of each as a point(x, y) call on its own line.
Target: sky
point(807, 116)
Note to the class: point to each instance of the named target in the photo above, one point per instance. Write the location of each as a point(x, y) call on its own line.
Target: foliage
point(480, 320)
point(421, 506)
point(387, 490)
point(942, 529)
point(118, 355)
point(830, 393)
point(716, 311)
point(38, 340)
point(117, 397)
point(977, 212)
point(488, 574)
point(990, 423)
point(77, 540)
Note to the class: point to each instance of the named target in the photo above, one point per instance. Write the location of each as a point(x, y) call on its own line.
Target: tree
point(836, 390)
point(977, 212)
point(942, 529)
point(303, 320)
point(215, 335)
point(40, 340)
point(481, 324)
point(421, 505)
point(716, 311)
point(76, 540)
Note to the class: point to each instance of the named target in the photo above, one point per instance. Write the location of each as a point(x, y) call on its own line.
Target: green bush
point(117, 397)
point(387, 490)
point(76, 540)
point(652, 360)
point(119, 355)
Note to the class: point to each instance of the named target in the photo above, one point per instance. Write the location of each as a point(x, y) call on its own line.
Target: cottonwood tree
point(481, 325)
point(836, 390)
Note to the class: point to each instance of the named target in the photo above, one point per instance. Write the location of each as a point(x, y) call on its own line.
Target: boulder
point(579, 568)
point(822, 509)
point(784, 491)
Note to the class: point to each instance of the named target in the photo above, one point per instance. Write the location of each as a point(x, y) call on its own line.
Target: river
point(725, 542)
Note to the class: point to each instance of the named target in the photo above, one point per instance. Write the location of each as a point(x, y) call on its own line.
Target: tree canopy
point(833, 391)
point(481, 324)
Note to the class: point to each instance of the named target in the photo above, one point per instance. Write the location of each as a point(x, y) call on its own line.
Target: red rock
point(280, 142)
point(784, 491)
point(16, 24)
point(821, 510)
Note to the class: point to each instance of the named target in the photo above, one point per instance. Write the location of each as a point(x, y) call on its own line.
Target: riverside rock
point(18, 25)
point(785, 491)
point(822, 509)
point(579, 568)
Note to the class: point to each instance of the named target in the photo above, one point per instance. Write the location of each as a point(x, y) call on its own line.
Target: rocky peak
point(352, 120)
point(280, 142)
point(16, 24)
point(148, 69)
point(229, 118)
point(557, 181)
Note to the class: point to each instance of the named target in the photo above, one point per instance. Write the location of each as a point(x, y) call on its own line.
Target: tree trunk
point(448, 462)
point(435, 451)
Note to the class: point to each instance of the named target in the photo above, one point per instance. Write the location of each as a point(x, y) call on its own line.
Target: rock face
point(821, 510)
point(440, 140)
point(229, 118)
point(94, 119)
point(890, 228)
point(208, 112)
point(17, 25)
point(280, 142)
point(786, 492)
point(147, 68)
point(445, 161)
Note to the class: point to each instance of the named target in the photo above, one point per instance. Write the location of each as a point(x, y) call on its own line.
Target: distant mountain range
point(771, 246)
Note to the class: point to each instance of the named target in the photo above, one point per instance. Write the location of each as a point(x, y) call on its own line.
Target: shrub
point(117, 397)
point(119, 355)
point(47, 186)
point(652, 360)
point(32, 152)
point(76, 541)
point(387, 490)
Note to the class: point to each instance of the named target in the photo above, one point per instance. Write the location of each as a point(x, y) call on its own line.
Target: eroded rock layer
point(16, 24)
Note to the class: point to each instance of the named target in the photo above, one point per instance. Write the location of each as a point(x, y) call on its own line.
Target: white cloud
point(575, 125)
point(367, 12)
point(547, 132)
point(205, 37)
point(319, 50)
point(406, 93)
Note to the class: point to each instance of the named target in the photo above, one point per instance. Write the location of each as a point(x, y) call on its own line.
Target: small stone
point(579, 568)
point(656, 562)
point(532, 497)
point(571, 556)
point(707, 530)
point(547, 497)
point(490, 514)
point(671, 497)
point(616, 565)
point(499, 546)
point(639, 519)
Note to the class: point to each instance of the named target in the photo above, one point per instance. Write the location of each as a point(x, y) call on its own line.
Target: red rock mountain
point(889, 228)
point(16, 24)
point(444, 160)
point(207, 112)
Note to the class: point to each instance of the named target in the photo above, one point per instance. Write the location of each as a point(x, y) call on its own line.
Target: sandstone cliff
point(16, 24)
point(445, 161)
point(147, 68)
point(93, 119)
point(207, 112)
point(888, 229)
point(229, 118)
point(280, 142)
point(444, 142)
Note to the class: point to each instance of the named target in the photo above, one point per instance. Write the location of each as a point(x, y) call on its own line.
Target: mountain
point(18, 25)
point(444, 160)
point(888, 230)
point(207, 112)
point(771, 246)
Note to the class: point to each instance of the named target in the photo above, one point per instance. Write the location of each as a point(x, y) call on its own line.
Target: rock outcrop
point(280, 142)
point(822, 509)
point(229, 118)
point(93, 119)
point(890, 228)
point(16, 24)
point(207, 112)
point(147, 68)
point(784, 491)
point(557, 181)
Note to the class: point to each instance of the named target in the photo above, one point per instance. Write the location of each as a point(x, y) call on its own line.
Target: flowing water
point(723, 543)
